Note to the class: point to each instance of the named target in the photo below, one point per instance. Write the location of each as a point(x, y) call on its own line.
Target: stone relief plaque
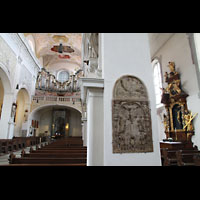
point(131, 118)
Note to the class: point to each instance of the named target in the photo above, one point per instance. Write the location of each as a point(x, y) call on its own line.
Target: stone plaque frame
point(131, 117)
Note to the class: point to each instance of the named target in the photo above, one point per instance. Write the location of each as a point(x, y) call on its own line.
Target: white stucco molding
point(87, 83)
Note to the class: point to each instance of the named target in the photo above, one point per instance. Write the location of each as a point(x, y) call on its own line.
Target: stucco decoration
point(131, 117)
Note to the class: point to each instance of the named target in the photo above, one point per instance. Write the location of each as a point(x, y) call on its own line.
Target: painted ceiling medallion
point(61, 49)
point(64, 56)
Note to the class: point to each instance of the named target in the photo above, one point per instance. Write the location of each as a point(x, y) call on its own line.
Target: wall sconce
point(67, 126)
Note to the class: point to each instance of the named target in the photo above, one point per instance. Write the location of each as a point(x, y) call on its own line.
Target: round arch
point(5, 79)
point(6, 98)
point(48, 105)
point(45, 116)
point(23, 108)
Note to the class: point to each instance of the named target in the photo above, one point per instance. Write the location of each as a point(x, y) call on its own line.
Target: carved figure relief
point(131, 119)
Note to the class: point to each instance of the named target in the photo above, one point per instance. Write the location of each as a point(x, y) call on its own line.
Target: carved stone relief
point(131, 118)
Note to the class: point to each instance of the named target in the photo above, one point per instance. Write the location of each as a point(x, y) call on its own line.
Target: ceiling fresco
point(57, 51)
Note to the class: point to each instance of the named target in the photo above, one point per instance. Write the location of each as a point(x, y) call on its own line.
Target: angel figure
point(166, 122)
point(172, 66)
point(188, 121)
point(177, 86)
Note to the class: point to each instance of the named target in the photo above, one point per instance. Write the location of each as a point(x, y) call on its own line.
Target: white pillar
point(95, 130)
point(11, 127)
point(92, 94)
point(85, 133)
point(5, 117)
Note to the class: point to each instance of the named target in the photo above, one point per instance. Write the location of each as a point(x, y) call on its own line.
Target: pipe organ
point(48, 82)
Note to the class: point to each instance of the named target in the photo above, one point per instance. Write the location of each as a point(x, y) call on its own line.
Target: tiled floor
point(4, 157)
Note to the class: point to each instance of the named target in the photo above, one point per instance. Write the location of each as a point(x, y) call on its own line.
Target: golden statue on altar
point(188, 117)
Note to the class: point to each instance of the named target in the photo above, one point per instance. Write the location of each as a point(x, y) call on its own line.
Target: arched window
point(157, 80)
point(197, 46)
point(63, 76)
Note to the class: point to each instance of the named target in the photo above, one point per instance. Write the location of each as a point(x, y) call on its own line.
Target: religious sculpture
point(131, 119)
point(13, 111)
point(188, 117)
point(178, 124)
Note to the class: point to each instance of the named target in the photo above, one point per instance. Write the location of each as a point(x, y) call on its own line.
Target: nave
point(64, 151)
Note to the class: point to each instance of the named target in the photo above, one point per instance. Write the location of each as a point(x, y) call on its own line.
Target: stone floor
point(4, 157)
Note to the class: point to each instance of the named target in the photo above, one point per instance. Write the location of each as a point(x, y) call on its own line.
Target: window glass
point(157, 80)
point(63, 76)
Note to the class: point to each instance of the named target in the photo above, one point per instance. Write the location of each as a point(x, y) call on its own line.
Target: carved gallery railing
point(47, 82)
point(74, 102)
point(38, 99)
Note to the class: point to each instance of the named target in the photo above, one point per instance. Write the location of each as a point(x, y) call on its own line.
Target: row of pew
point(60, 152)
point(17, 143)
point(180, 157)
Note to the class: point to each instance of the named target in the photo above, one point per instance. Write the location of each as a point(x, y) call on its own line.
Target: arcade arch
point(22, 111)
point(6, 99)
point(49, 120)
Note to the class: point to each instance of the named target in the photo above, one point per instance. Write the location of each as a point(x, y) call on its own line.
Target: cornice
point(24, 49)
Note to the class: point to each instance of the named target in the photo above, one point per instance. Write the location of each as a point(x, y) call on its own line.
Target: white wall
point(177, 49)
point(45, 121)
point(20, 66)
point(127, 54)
point(75, 128)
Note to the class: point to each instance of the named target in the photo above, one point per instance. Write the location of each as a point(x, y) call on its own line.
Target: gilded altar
point(178, 119)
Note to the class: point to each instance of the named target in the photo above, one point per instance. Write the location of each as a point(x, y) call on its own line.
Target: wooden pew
point(47, 165)
point(21, 142)
point(6, 145)
point(196, 159)
point(168, 157)
point(41, 150)
point(186, 157)
point(54, 153)
point(38, 160)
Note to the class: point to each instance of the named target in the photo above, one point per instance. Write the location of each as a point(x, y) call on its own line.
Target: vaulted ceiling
point(44, 43)
point(157, 40)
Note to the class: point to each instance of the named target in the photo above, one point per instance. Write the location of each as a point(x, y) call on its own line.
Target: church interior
point(99, 99)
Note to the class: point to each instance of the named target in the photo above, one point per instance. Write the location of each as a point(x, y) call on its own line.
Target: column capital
point(90, 83)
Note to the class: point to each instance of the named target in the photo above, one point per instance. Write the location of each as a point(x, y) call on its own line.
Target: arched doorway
point(55, 119)
point(6, 98)
point(21, 117)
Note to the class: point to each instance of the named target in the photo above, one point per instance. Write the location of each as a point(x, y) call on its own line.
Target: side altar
point(177, 119)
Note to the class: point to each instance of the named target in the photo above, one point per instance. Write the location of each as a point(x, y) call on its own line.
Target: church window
point(63, 76)
point(157, 80)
